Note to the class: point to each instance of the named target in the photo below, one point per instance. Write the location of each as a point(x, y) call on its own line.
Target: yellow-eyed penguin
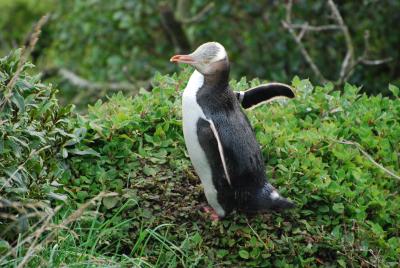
point(219, 138)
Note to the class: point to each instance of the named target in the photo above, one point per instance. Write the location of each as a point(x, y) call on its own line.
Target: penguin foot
point(210, 211)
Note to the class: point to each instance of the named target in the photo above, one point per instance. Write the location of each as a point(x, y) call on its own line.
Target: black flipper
point(263, 93)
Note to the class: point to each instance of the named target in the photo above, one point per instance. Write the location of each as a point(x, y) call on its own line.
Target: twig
point(199, 16)
point(80, 82)
point(37, 234)
point(25, 52)
point(287, 24)
point(46, 226)
point(369, 157)
point(312, 28)
point(349, 61)
point(349, 58)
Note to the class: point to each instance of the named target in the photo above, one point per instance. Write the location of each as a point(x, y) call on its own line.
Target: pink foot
point(213, 215)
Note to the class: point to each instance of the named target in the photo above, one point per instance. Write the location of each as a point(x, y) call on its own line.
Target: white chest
point(191, 113)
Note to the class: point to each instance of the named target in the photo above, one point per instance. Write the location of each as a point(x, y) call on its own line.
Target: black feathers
point(263, 93)
point(247, 188)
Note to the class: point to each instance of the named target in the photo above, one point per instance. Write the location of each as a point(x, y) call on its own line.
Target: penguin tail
point(264, 199)
point(282, 203)
point(278, 202)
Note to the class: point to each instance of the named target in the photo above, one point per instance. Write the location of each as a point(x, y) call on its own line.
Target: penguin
point(220, 141)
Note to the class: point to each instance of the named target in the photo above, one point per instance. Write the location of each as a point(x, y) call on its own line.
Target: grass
point(89, 242)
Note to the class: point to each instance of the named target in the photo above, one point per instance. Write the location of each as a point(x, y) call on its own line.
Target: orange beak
point(182, 59)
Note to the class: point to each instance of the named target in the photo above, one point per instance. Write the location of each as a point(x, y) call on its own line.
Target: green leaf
point(18, 100)
point(110, 201)
point(376, 228)
point(222, 253)
point(1, 145)
point(88, 151)
point(338, 207)
point(342, 263)
point(395, 90)
point(64, 153)
point(244, 254)
point(149, 171)
point(82, 195)
point(4, 246)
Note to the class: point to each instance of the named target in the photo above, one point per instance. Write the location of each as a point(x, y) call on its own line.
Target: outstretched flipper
point(255, 96)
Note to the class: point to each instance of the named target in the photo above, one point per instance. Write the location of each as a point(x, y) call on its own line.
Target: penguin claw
point(213, 215)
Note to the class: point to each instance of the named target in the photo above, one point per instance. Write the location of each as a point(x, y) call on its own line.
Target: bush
point(335, 153)
point(34, 133)
point(321, 150)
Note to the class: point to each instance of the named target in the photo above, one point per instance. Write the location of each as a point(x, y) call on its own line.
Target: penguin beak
point(182, 59)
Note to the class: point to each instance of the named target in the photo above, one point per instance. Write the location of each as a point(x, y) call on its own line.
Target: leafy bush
point(134, 137)
point(330, 151)
point(36, 135)
point(335, 153)
point(34, 131)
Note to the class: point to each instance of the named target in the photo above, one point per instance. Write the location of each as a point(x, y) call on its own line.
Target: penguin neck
point(218, 81)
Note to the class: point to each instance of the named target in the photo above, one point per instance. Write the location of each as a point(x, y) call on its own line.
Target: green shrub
point(33, 132)
point(336, 154)
point(318, 148)
point(134, 137)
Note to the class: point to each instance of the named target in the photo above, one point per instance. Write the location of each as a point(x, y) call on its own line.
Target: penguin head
point(208, 59)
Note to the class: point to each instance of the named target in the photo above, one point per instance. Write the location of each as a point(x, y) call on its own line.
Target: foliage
point(258, 45)
point(125, 40)
point(133, 136)
point(34, 130)
point(316, 146)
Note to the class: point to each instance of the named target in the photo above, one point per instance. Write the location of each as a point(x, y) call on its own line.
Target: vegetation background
point(128, 41)
point(92, 177)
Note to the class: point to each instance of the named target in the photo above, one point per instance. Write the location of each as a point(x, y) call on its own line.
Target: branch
point(369, 157)
point(349, 61)
point(363, 59)
point(25, 52)
point(349, 58)
point(376, 62)
point(198, 17)
point(313, 28)
point(80, 82)
point(287, 24)
point(174, 28)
